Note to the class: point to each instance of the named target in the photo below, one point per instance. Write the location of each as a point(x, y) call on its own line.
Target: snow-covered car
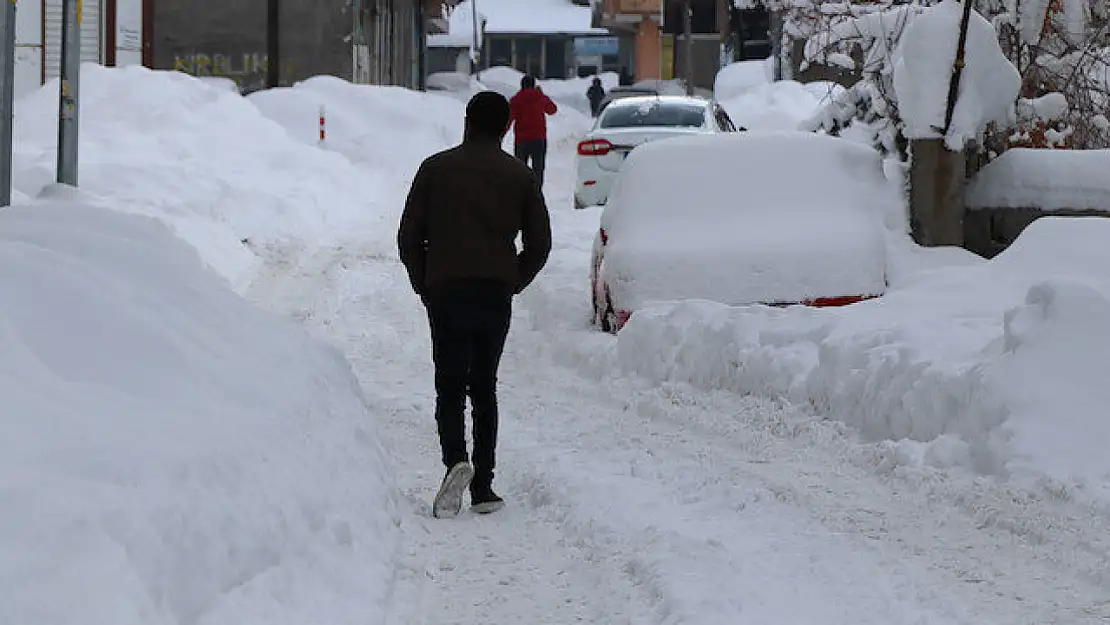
point(742, 218)
point(630, 122)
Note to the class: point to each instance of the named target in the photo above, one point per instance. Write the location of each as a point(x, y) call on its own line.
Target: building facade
point(550, 39)
point(720, 33)
point(368, 41)
point(641, 23)
point(390, 40)
point(228, 39)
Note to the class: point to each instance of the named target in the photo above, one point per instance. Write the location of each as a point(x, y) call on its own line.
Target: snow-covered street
point(174, 455)
point(638, 504)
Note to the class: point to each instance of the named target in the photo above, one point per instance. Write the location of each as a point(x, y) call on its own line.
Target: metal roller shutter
point(90, 35)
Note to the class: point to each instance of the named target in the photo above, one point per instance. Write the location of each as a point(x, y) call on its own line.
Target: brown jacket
point(463, 213)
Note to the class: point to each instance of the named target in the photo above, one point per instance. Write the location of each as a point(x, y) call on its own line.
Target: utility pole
point(273, 43)
point(358, 40)
point(957, 68)
point(68, 101)
point(7, 98)
point(422, 47)
point(688, 54)
point(475, 49)
point(776, 43)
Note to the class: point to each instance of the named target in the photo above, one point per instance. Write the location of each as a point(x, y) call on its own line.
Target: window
point(654, 113)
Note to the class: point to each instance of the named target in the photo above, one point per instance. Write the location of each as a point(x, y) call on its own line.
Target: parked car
point(631, 122)
point(778, 219)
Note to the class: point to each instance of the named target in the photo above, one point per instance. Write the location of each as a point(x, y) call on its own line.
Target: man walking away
point(457, 242)
point(595, 94)
point(529, 110)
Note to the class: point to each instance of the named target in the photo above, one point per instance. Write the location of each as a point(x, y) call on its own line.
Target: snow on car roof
point(639, 100)
point(747, 217)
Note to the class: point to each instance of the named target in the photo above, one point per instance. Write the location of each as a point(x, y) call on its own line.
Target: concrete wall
point(989, 231)
point(937, 184)
point(228, 38)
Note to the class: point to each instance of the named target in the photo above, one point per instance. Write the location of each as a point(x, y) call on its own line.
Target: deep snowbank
point(780, 105)
point(991, 366)
point(390, 129)
point(222, 169)
point(735, 79)
point(381, 129)
point(168, 452)
point(196, 156)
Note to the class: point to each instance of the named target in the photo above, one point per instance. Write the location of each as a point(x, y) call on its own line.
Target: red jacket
point(528, 110)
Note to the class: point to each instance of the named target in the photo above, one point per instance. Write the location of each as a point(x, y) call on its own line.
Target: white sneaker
point(448, 501)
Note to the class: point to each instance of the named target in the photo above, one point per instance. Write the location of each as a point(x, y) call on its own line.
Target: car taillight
point(594, 147)
point(604, 237)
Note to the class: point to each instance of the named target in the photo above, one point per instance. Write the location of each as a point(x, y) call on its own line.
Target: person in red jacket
point(528, 111)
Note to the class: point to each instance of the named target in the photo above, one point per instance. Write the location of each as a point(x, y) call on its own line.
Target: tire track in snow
point(932, 529)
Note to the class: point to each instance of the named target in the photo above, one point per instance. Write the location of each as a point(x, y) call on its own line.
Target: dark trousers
point(469, 323)
point(535, 151)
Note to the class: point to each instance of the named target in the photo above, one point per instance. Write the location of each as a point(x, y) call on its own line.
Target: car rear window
point(656, 113)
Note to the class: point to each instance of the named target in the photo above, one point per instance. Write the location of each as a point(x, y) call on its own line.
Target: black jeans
point(469, 323)
point(536, 152)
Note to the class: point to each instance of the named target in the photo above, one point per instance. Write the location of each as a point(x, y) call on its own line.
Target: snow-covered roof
point(1044, 179)
point(504, 17)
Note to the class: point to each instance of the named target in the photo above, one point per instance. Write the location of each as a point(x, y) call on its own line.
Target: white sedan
point(633, 121)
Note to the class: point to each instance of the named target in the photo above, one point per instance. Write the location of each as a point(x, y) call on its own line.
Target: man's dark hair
point(528, 82)
point(487, 115)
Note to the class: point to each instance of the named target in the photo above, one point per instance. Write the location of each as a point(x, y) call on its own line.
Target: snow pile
point(419, 124)
point(992, 366)
point(922, 69)
point(237, 175)
point(746, 237)
point(735, 79)
point(779, 105)
point(379, 129)
point(1043, 179)
point(1053, 375)
point(460, 85)
point(199, 157)
point(169, 453)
